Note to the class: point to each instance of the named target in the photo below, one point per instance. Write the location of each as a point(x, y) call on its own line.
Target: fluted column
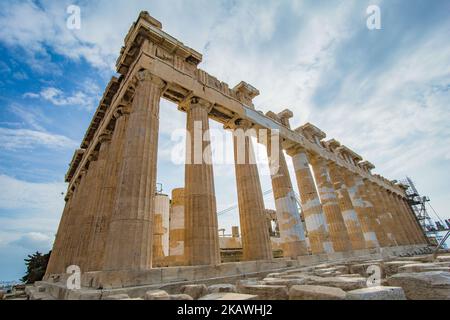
point(177, 231)
point(349, 215)
point(387, 219)
point(378, 215)
point(315, 221)
point(360, 209)
point(409, 219)
point(56, 261)
point(201, 226)
point(292, 234)
point(420, 233)
point(396, 227)
point(335, 221)
point(129, 244)
point(370, 210)
point(402, 226)
point(255, 236)
point(108, 189)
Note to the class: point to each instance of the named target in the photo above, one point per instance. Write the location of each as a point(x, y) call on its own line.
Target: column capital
point(147, 76)
point(93, 156)
point(243, 124)
point(292, 151)
point(106, 136)
point(121, 110)
point(197, 102)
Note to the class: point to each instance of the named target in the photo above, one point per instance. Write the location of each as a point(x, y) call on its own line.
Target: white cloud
point(34, 241)
point(86, 98)
point(17, 139)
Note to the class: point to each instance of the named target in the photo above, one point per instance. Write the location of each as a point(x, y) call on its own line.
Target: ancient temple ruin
point(111, 226)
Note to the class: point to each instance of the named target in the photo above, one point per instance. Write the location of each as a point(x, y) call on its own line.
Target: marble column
point(108, 189)
point(256, 243)
point(410, 220)
point(420, 233)
point(316, 224)
point(201, 226)
point(402, 226)
point(129, 244)
point(55, 264)
point(360, 209)
point(176, 228)
point(378, 215)
point(87, 218)
point(397, 229)
point(292, 234)
point(330, 206)
point(370, 210)
point(387, 219)
point(349, 215)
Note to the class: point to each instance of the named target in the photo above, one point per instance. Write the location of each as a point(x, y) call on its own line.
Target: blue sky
point(383, 93)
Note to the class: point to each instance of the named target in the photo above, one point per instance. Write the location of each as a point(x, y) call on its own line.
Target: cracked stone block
point(196, 291)
point(311, 292)
point(391, 267)
point(121, 296)
point(265, 292)
point(424, 267)
point(434, 285)
point(377, 293)
point(156, 295)
point(180, 297)
point(223, 287)
point(229, 296)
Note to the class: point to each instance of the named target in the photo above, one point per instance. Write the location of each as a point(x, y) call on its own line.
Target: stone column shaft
point(410, 220)
point(177, 231)
point(387, 219)
point(421, 235)
point(378, 213)
point(129, 244)
point(402, 226)
point(108, 190)
point(335, 221)
point(201, 226)
point(316, 225)
point(255, 236)
point(349, 215)
point(292, 235)
point(56, 261)
point(360, 209)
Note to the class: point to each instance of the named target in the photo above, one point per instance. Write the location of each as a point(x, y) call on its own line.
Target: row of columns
point(108, 220)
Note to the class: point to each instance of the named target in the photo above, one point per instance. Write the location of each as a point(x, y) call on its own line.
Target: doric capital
point(121, 111)
point(196, 102)
point(147, 76)
point(243, 124)
point(105, 136)
point(93, 156)
point(294, 150)
point(69, 195)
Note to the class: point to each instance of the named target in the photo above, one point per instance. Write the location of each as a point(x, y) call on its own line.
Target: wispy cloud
point(16, 139)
